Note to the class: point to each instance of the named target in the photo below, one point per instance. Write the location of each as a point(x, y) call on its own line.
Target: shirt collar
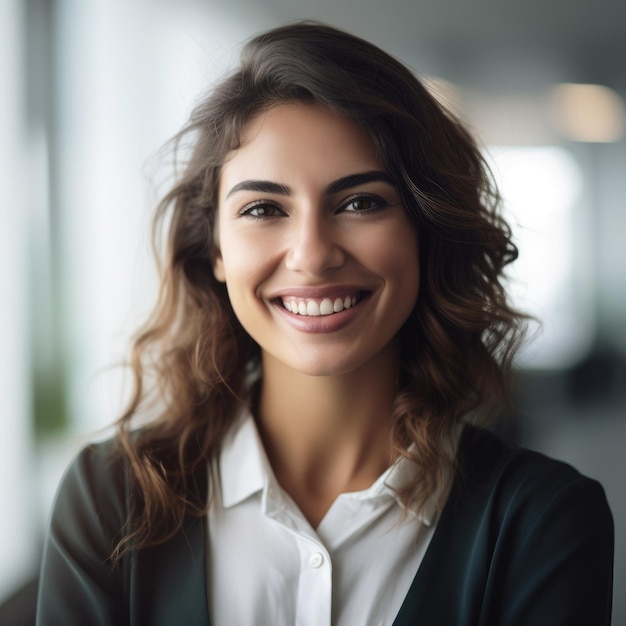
point(245, 470)
point(390, 481)
point(402, 471)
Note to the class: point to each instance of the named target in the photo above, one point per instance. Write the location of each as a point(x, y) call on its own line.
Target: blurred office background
point(91, 89)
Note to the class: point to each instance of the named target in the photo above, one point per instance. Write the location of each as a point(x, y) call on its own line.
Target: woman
point(332, 326)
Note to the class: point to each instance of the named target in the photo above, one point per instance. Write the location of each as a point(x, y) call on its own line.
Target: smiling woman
point(332, 330)
point(302, 232)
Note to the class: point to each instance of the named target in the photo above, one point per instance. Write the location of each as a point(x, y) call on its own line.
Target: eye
point(364, 203)
point(260, 209)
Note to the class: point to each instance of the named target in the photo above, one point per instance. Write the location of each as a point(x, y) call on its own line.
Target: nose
point(314, 248)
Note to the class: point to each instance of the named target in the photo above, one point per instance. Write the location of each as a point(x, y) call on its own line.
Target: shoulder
point(515, 483)
point(93, 488)
point(99, 465)
point(103, 458)
point(534, 535)
point(487, 459)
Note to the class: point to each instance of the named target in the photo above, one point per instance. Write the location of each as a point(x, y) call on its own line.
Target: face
point(319, 257)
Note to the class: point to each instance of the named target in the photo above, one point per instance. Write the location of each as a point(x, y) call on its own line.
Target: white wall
point(18, 546)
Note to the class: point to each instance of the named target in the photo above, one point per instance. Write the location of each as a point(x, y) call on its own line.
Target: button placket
point(315, 588)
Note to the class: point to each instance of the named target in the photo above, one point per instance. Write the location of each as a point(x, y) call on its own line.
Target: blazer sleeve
point(560, 559)
point(78, 584)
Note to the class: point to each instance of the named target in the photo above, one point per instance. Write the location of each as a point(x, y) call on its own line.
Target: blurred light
point(542, 188)
point(589, 113)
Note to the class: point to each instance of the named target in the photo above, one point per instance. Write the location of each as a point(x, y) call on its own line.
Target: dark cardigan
point(523, 540)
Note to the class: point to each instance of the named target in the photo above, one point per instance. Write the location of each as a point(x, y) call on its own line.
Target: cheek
point(394, 252)
point(245, 266)
point(248, 248)
point(398, 263)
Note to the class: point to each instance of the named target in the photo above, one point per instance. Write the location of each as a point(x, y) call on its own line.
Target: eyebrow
point(264, 186)
point(354, 180)
point(341, 184)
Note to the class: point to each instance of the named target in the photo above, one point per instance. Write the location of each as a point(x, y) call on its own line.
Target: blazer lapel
point(169, 581)
point(445, 589)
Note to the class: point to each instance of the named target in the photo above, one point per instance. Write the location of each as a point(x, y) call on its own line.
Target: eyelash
point(378, 203)
point(260, 204)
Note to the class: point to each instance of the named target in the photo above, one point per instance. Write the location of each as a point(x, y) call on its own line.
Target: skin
point(313, 231)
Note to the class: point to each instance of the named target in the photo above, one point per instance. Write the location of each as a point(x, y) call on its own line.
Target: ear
point(217, 262)
point(218, 267)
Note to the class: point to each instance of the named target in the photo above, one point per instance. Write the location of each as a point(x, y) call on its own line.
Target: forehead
point(291, 143)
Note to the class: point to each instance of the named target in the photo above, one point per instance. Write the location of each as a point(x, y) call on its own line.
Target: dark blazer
point(523, 540)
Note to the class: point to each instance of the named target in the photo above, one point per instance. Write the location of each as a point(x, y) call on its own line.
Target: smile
point(319, 307)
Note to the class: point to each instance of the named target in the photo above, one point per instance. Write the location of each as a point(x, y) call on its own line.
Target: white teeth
point(312, 308)
point(326, 307)
point(315, 308)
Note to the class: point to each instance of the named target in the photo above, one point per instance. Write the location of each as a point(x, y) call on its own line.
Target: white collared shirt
point(268, 566)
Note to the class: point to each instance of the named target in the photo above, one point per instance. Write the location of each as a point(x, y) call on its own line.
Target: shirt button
point(316, 559)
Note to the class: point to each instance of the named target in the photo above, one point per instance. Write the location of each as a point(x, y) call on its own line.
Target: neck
point(325, 435)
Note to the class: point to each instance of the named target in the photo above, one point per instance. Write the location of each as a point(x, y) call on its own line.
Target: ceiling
point(481, 43)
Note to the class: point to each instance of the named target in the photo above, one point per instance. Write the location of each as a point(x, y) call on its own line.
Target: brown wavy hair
point(191, 359)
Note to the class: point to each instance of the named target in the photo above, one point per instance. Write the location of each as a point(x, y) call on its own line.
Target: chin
point(328, 364)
